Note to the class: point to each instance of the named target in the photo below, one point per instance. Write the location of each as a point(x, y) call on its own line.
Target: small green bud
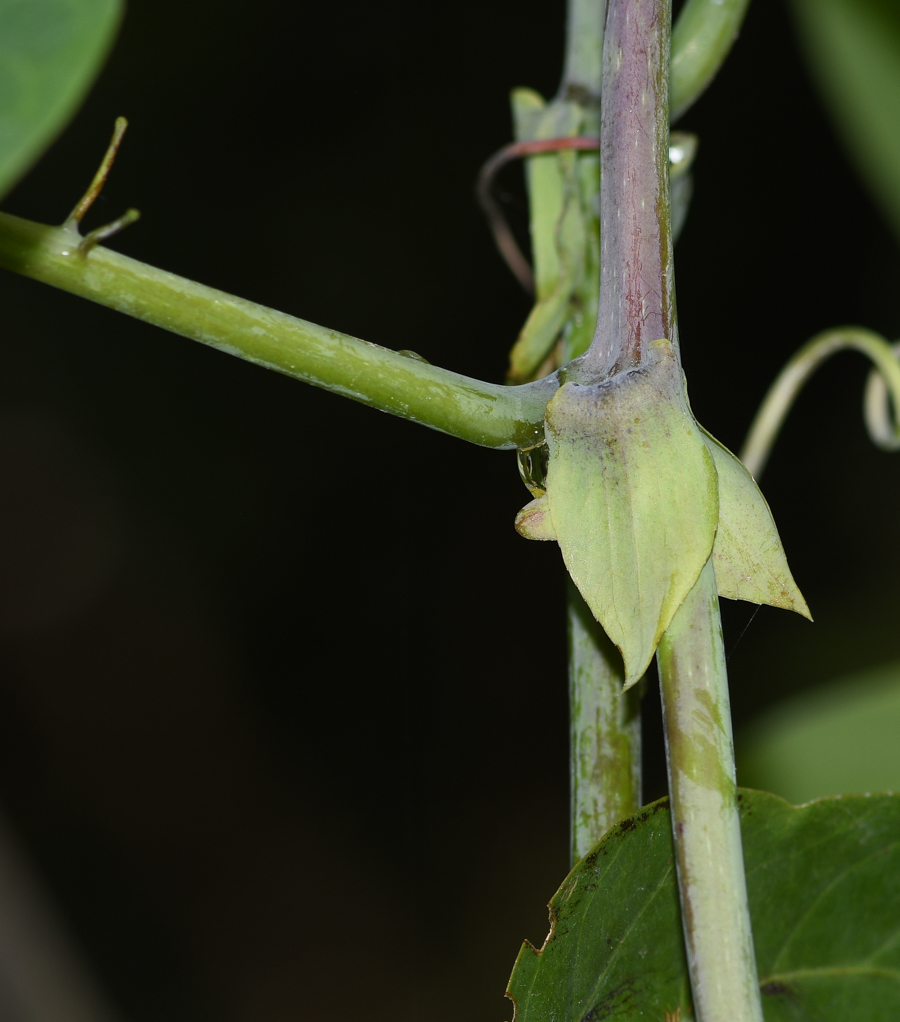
point(533, 521)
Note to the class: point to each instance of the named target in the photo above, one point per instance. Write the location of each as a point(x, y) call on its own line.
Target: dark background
point(282, 716)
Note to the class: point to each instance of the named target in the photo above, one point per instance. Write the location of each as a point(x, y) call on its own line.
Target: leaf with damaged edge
point(824, 888)
point(748, 556)
point(633, 499)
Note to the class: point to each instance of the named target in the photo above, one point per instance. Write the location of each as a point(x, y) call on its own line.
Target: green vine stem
point(483, 413)
point(605, 731)
point(884, 381)
point(704, 807)
point(881, 404)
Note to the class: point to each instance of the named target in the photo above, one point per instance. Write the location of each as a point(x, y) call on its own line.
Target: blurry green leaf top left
point(50, 52)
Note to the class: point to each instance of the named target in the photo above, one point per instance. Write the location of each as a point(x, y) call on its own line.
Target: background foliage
point(822, 883)
point(283, 702)
point(49, 52)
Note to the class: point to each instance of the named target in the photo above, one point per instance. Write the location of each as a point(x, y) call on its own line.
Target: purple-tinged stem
point(637, 307)
point(637, 294)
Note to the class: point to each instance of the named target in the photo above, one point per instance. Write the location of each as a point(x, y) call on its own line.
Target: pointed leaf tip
point(748, 556)
point(633, 499)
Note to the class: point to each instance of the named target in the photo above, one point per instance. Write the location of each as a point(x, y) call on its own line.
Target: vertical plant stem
point(637, 306)
point(605, 722)
point(703, 35)
point(605, 729)
point(637, 292)
point(704, 806)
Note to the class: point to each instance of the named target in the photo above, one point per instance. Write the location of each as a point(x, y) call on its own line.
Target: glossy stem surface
point(605, 731)
point(637, 294)
point(704, 809)
point(487, 414)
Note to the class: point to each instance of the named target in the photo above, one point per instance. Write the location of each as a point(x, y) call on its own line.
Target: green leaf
point(632, 492)
point(835, 739)
point(748, 556)
point(702, 36)
point(547, 184)
point(824, 888)
point(50, 51)
point(854, 49)
point(558, 232)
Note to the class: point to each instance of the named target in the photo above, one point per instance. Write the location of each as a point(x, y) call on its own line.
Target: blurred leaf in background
point(839, 739)
point(853, 47)
point(50, 52)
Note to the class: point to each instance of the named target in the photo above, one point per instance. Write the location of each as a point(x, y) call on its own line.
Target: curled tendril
point(881, 408)
point(503, 236)
point(881, 403)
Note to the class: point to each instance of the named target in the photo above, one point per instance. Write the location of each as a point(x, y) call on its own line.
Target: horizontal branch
point(488, 414)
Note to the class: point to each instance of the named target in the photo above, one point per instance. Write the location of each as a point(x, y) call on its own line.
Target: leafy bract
point(833, 739)
point(633, 499)
point(854, 49)
point(748, 556)
point(824, 888)
point(50, 51)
